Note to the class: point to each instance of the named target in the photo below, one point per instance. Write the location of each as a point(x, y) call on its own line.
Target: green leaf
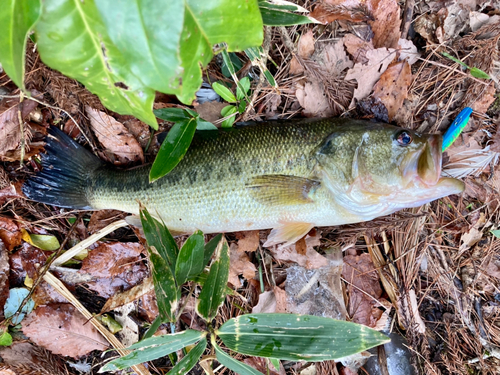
point(276, 16)
point(230, 64)
point(190, 260)
point(171, 114)
point(227, 111)
point(210, 248)
point(214, 291)
point(153, 327)
point(153, 348)
point(243, 88)
point(173, 148)
point(16, 298)
point(167, 293)
point(5, 339)
point(276, 363)
point(478, 73)
point(72, 38)
point(232, 363)
point(254, 54)
point(190, 359)
point(17, 18)
point(495, 232)
point(445, 54)
point(242, 106)
point(270, 78)
point(297, 337)
point(204, 125)
point(282, 5)
point(224, 92)
point(42, 241)
point(157, 235)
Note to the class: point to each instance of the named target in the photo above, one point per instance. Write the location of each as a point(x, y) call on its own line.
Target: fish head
point(385, 164)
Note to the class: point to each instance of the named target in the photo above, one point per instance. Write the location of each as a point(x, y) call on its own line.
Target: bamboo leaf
point(214, 290)
point(153, 348)
point(171, 114)
point(232, 363)
point(190, 359)
point(297, 337)
point(210, 248)
point(166, 290)
point(173, 148)
point(190, 260)
point(17, 18)
point(224, 92)
point(157, 235)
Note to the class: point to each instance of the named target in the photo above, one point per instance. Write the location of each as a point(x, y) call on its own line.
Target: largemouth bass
point(288, 177)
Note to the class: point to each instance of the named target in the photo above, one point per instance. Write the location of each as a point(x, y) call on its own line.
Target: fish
point(284, 176)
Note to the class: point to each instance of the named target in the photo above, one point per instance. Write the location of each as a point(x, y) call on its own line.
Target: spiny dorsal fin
point(282, 189)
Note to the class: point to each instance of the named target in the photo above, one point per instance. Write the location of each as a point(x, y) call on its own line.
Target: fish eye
point(404, 138)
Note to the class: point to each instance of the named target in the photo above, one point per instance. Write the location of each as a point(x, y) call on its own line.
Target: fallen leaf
point(489, 271)
point(63, 330)
point(11, 191)
point(311, 96)
point(427, 25)
point(305, 49)
point(357, 48)
point(240, 265)
point(385, 23)
point(130, 295)
point(25, 262)
point(281, 304)
point(114, 267)
point(210, 110)
point(408, 51)
point(129, 334)
point(148, 308)
point(248, 241)
point(455, 20)
point(10, 131)
point(102, 218)
point(37, 359)
point(10, 233)
point(264, 365)
point(4, 277)
point(392, 87)
point(266, 304)
point(332, 58)
point(362, 282)
point(332, 10)
point(483, 102)
point(478, 20)
point(310, 260)
point(121, 147)
point(368, 74)
point(140, 130)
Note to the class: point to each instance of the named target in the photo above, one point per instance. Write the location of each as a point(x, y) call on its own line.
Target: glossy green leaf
point(496, 233)
point(147, 33)
point(254, 54)
point(278, 13)
point(232, 363)
point(17, 18)
point(214, 291)
point(229, 112)
point(72, 38)
point(242, 106)
point(153, 327)
point(282, 5)
point(171, 114)
point(224, 92)
point(297, 337)
point(210, 248)
point(5, 339)
point(276, 363)
point(204, 125)
point(157, 235)
point(16, 298)
point(43, 241)
point(445, 54)
point(231, 65)
point(243, 88)
point(173, 148)
point(270, 78)
point(190, 359)
point(153, 348)
point(190, 260)
point(478, 73)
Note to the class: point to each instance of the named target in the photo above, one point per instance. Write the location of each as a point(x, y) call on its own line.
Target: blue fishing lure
point(456, 127)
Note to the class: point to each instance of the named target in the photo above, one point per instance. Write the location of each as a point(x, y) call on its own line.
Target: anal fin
point(282, 189)
point(288, 233)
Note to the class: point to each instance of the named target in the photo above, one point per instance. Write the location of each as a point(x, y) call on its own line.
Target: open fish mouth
point(429, 161)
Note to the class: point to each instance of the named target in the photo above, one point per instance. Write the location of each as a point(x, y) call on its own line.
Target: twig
point(407, 18)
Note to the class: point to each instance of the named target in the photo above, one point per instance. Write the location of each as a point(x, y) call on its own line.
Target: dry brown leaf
point(392, 87)
point(4, 277)
point(310, 260)
point(311, 96)
point(363, 282)
point(264, 365)
point(148, 308)
point(332, 10)
point(281, 304)
point(33, 357)
point(121, 147)
point(357, 48)
point(103, 218)
point(10, 233)
point(266, 304)
point(248, 241)
point(62, 330)
point(385, 23)
point(10, 131)
point(240, 265)
point(491, 270)
point(25, 261)
point(368, 74)
point(305, 49)
point(482, 103)
point(114, 267)
point(130, 295)
point(210, 111)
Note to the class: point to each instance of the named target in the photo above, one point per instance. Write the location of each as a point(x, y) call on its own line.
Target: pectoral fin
point(282, 189)
point(289, 233)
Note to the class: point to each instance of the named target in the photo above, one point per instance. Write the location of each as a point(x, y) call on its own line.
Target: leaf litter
point(356, 56)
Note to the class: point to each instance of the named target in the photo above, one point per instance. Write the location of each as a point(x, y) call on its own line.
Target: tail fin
point(67, 167)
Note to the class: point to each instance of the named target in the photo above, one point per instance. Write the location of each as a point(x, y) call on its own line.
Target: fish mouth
point(429, 161)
